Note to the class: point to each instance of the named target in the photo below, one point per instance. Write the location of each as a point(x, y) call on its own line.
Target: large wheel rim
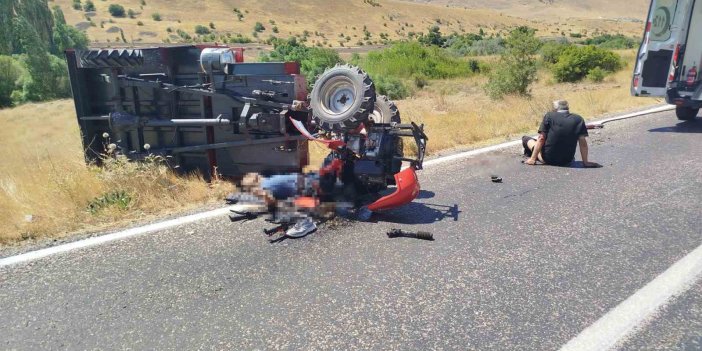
point(338, 96)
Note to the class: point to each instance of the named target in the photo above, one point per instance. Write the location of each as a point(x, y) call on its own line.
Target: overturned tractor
point(205, 110)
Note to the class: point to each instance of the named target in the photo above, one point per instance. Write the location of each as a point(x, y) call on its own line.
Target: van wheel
point(686, 113)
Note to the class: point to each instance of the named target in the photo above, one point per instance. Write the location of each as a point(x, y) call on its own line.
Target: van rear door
point(660, 48)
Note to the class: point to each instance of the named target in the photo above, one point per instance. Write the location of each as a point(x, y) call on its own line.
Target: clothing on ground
point(562, 130)
point(285, 186)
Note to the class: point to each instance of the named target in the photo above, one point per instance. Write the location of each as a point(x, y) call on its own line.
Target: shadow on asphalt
point(682, 127)
point(419, 213)
point(426, 194)
point(579, 164)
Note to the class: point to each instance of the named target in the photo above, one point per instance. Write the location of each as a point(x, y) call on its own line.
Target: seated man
point(559, 134)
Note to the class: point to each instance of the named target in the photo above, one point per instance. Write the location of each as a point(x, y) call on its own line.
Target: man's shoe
point(302, 228)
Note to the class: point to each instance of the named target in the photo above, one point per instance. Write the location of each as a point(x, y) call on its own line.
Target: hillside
point(34, 12)
point(336, 23)
point(560, 9)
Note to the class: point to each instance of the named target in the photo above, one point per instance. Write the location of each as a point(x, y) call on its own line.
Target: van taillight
point(676, 55)
point(636, 82)
point(648, 27)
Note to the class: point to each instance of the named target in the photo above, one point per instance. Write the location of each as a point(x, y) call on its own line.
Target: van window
point(662, 20)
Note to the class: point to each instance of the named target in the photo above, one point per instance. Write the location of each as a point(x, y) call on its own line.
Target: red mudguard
point(406, 191)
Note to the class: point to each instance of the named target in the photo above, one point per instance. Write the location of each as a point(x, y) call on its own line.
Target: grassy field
point(334, 23)
point(47, 190)
point(458, 112)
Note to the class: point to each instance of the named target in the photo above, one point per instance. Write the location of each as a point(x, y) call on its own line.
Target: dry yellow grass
point(332, 19)
point(43, 175)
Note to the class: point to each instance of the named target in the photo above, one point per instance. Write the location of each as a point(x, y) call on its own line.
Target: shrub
point(612, 42)
point(420, 81)
point(576, 62)
point(201, 30)
point(391, 87)
point(89, 6)
point(212, 25)
point(406, 60)
point(156, 16)
point(116, 10)
point(313, 60)
point(433, 37)
point(275, 29)
point(596, 75)
point(140, 23)
point(258, 27)
point(517, 68)
point(483, 47)
point(131, 13)
point(77, 5)
point(551, 50)
point(239, 39)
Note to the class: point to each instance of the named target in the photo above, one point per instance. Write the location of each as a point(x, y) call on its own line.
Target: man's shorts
point(525, 143)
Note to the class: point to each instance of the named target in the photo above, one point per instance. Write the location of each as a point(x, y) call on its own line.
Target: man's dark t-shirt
point(562, 131)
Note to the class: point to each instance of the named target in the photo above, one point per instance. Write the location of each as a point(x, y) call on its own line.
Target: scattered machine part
point(399, 233)
point(496, 179)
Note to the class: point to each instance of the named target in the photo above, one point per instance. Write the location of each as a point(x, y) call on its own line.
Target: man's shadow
point(580, 164)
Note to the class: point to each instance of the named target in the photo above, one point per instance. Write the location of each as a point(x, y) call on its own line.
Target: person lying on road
point(559, 134)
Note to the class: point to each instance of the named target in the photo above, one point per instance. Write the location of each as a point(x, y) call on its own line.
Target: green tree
point(66, 36)
point(10, 72)
point(517, 67)
point(37, 61)
point(258, 27)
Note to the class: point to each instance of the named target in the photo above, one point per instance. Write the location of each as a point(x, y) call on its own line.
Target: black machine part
point(378, 155)
point(385, 111)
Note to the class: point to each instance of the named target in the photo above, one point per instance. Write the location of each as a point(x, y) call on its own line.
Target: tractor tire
point(342, 98)
point(385, 111)
point(686, 113)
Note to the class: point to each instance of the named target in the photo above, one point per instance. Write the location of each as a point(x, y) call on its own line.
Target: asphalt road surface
point(523, 265)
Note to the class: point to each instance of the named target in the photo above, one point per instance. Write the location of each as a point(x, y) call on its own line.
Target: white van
point(670, 56)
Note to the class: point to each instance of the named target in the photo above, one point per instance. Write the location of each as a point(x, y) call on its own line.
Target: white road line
point(99, 240)
point(618, 323)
